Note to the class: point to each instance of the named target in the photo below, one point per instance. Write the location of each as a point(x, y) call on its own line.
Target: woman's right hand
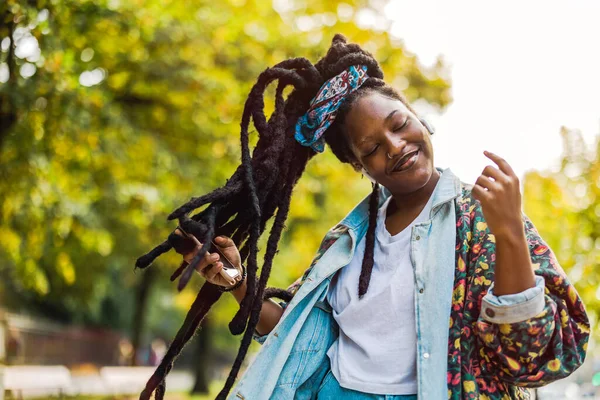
point(210, 266)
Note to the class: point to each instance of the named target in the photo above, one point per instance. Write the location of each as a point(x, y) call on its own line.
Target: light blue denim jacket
point(296, 346)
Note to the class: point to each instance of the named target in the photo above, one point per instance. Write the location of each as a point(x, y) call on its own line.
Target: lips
point(400, 164)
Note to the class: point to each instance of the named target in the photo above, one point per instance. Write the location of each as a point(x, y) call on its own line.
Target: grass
point(214, 389)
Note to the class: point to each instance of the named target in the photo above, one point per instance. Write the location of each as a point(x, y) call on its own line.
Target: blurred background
point(113, 113)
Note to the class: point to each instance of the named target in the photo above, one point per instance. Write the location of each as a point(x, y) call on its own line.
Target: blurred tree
point(112, 113)
point(202, 352)
point(565, 207)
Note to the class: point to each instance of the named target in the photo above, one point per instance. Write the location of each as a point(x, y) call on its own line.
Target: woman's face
point(377, 126)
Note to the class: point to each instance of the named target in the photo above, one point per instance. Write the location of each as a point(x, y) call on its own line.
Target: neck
point(416, 199)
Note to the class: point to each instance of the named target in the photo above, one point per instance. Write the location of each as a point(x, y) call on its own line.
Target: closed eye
point(372, 151)
point(406, 122)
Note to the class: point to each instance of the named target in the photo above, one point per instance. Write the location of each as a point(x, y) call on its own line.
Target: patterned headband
point(323, 108)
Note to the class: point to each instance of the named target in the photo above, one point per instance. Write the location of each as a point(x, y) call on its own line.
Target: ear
point(427, 126)
point(356, 166)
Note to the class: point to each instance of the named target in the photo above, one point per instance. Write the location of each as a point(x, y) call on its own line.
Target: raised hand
point(498, 191)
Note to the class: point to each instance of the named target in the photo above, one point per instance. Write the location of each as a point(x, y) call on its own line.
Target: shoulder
point(466, 203)
point(330, 237)
point(470, 221)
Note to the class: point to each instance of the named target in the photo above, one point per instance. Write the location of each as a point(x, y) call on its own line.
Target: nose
point(395, 146)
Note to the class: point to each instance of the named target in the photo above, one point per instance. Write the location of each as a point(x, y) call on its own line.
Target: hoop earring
point(427, 126)
point(369, 177)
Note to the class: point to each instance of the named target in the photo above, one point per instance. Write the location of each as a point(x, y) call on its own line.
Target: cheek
point(376, 167)
point(425, 138)
point(430, 149)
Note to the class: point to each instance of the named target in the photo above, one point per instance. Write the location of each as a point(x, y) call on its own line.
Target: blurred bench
point(131, 380)
point(34, 380)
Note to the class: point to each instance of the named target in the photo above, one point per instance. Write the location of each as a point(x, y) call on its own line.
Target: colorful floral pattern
point(495, 361)
point(499, 361)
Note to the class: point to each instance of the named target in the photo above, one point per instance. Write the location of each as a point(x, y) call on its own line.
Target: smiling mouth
point(406, 162)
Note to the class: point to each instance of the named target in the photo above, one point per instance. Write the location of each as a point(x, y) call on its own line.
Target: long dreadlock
point(261, 188)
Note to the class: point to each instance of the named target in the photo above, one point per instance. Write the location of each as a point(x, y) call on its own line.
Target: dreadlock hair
point(260, 188)
point(336, 138)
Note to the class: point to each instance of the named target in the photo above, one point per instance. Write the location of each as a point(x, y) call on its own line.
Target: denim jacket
point(470, 343)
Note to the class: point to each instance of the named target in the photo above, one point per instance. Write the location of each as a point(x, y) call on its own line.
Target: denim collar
point(447, 189)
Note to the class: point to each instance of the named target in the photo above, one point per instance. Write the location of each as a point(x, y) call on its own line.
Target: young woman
point(429, 288)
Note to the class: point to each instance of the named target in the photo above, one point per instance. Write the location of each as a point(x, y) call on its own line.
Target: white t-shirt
point(377, 346)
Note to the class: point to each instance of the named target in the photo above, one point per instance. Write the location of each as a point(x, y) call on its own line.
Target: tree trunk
point(8, 114)
point(142, 295)
point(202, 359)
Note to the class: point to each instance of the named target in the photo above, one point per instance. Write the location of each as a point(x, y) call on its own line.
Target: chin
point(410, 180)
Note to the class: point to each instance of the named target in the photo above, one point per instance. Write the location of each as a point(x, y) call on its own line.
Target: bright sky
point(520, 70)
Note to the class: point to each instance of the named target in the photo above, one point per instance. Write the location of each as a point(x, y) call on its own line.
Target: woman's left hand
point(498, 191)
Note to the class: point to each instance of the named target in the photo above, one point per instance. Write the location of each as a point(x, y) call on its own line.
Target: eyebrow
point(390, 115)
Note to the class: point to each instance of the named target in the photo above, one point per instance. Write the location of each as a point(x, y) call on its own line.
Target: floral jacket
point(487, 358)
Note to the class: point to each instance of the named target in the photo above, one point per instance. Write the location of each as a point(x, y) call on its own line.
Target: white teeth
point(408, 160)
point(401, 167)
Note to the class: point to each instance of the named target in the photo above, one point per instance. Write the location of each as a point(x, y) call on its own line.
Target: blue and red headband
point(324, 107)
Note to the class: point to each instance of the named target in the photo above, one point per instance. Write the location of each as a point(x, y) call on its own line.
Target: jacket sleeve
point(540, 335)
point(326, 243)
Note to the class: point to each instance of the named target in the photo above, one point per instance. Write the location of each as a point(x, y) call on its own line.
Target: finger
point(191, 252)
point(179, 232)
point(214, 271)
point(224, 241)
point(501, 162)
point(492, 172)
point(206, 269)
point(487, 183)
point(195, 240)
point(480, 193)
point(182, 244)
point(207, 261)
